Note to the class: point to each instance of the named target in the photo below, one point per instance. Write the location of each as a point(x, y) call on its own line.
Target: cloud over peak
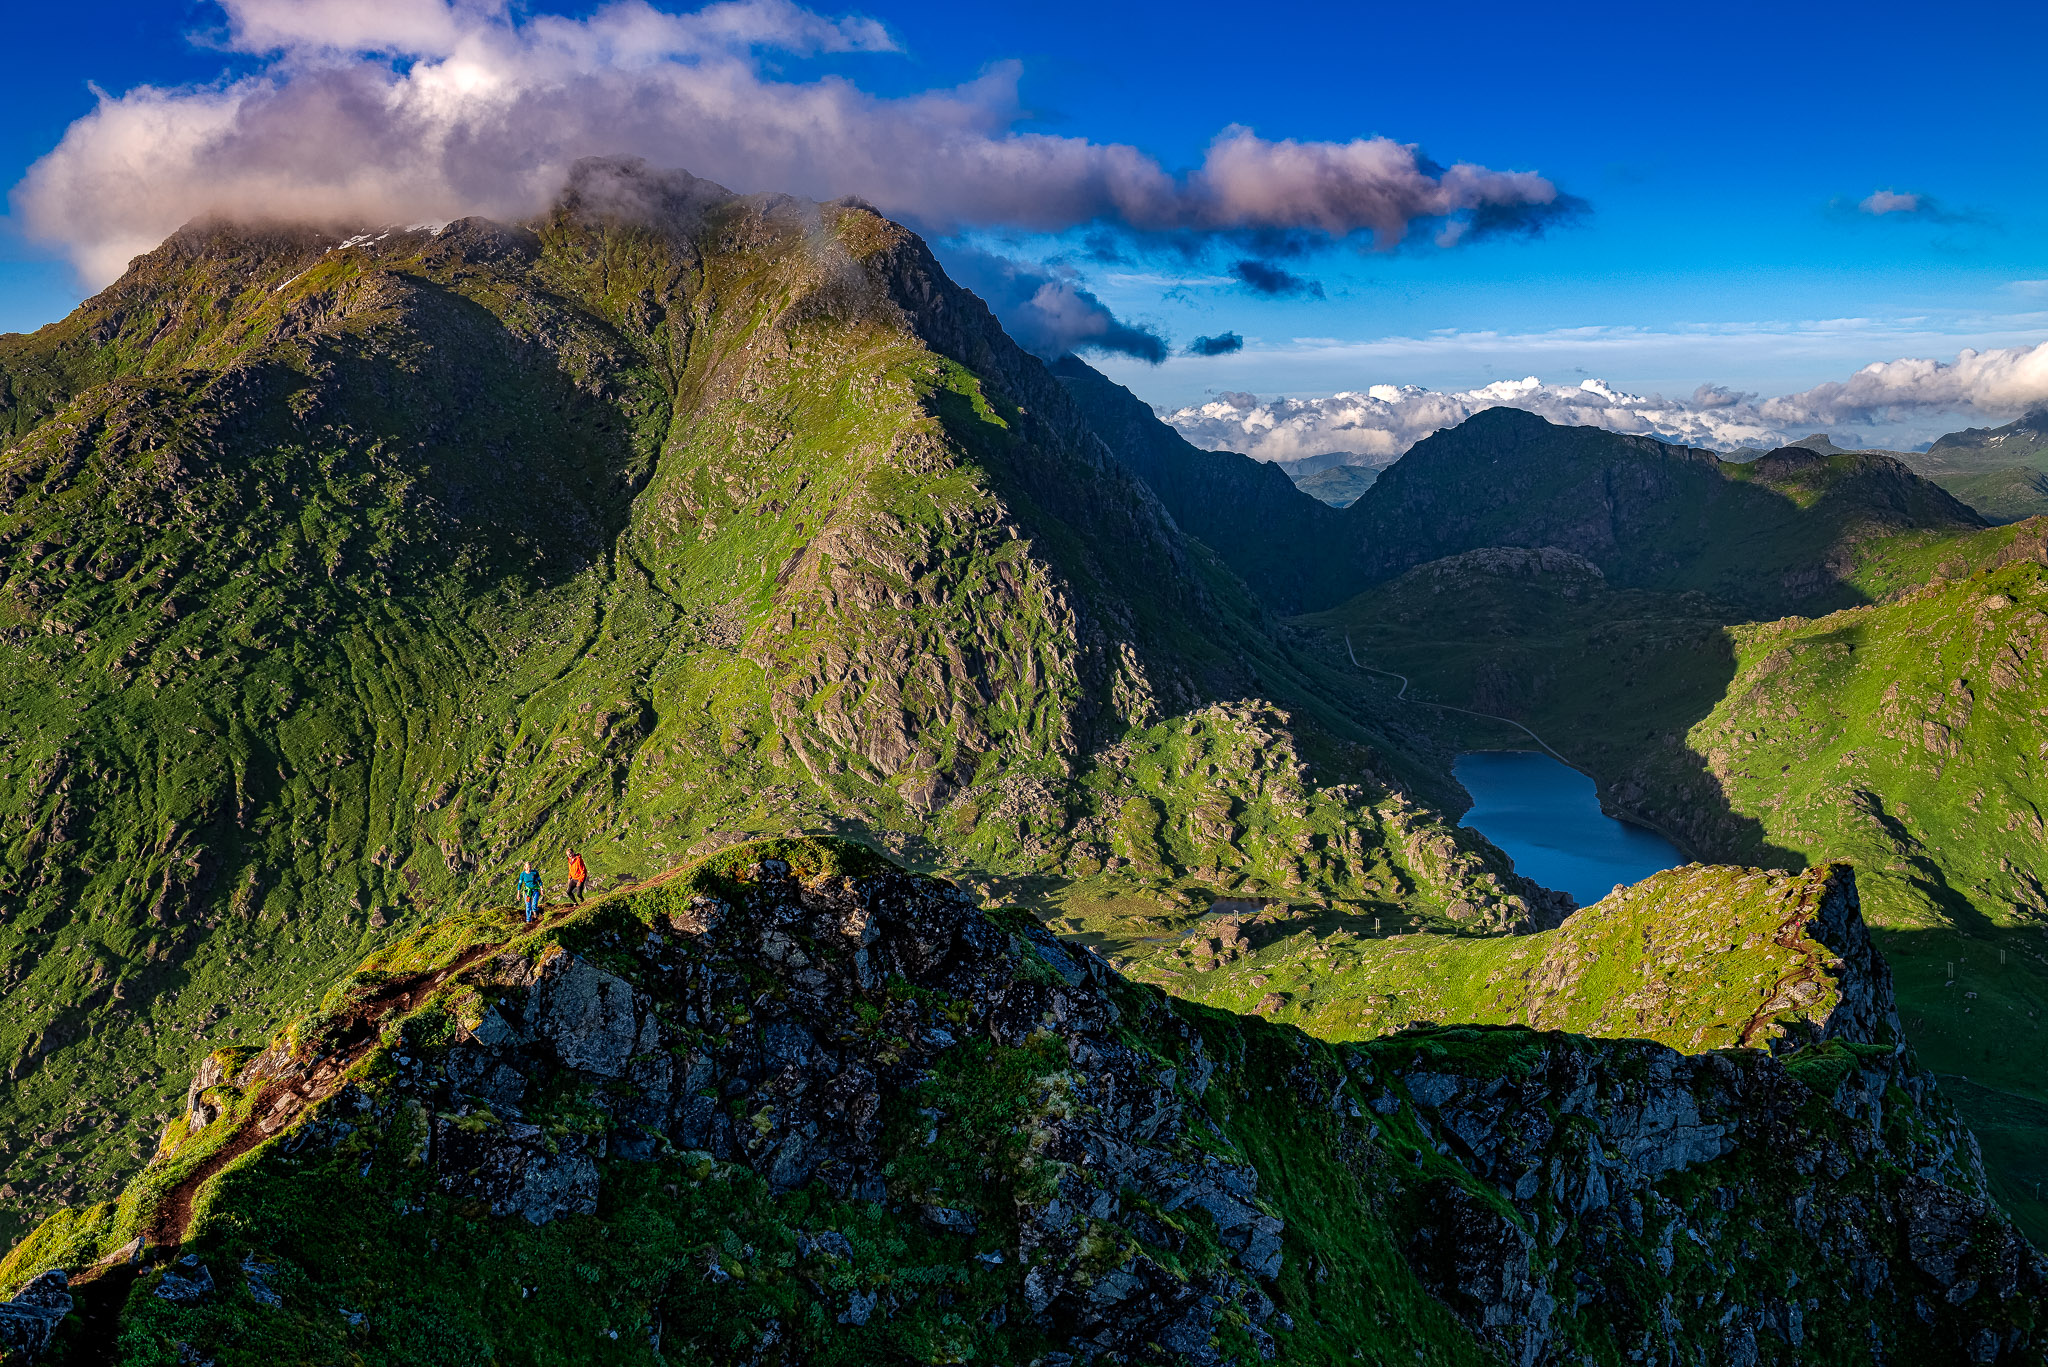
point(421, 110)
point(1047, 309)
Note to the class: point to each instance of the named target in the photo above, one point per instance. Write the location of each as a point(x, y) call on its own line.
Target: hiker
point(529, 888)
point(578, 876)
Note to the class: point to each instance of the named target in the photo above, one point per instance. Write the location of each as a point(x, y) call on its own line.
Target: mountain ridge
point(547, 1104)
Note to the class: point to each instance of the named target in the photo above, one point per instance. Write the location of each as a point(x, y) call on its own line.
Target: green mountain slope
point(339, 575)
point(791, 1105)
point(1776, 534)
point(1904, 736)
point(1695, 958)
point(2002, 472)
point(2009, 495)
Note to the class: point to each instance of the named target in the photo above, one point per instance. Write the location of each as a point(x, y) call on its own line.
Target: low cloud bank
point(425, 110)
point(1381, 423)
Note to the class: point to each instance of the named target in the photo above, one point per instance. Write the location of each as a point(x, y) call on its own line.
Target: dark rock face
point(1559, 1198)
point(30, 1320)
point(813, 1088)
point(1865, 1009)
point(1586, 1144)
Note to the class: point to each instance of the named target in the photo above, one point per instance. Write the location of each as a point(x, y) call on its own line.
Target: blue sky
point(1722, 156)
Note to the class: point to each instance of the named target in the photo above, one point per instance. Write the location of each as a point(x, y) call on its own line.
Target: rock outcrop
point(30, 1320)
point(799, 1106)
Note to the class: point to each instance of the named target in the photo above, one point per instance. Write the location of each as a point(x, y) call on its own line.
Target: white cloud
point(1890, 202)
point(2009, 380)
point(1382, 422)
point(408, 110)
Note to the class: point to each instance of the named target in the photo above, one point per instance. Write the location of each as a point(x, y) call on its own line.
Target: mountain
point(2002, 472)
point(1281, 541)
point(1902, 735)
point(342, 571)
point(1818, 442)
point(1772, 535)
point(794, 1105)
point(1335, 477)
point(1624, 967)
point(2002, 496)
point(2022, 443)
point(1339, 487)
point(1299, 470)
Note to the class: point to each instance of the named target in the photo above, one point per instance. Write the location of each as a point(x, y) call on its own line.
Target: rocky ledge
point(798, 1106)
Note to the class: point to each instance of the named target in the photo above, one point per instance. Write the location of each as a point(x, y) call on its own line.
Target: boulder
point(30, 1320)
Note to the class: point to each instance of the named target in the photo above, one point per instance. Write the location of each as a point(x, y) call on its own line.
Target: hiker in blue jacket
point(529, 888)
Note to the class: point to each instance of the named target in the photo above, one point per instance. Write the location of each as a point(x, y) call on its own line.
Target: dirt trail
point(1402, 696)
point(281, 1099)
point(351, 1036)
point(1791, 934)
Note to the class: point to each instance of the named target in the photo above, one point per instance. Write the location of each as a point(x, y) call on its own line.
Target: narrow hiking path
point(101, 1290)
point(1402, 696)
point(350, 1037)
point(282, 1098)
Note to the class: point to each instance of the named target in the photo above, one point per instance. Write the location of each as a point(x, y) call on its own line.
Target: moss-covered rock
point(795, 1105)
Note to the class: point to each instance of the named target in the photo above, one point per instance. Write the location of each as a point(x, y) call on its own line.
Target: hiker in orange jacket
point(578, 876)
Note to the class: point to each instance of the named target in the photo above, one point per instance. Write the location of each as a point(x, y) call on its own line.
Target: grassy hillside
point(2008, 495)
point(1696, 958)
point(1905, 736)
point(337, 576)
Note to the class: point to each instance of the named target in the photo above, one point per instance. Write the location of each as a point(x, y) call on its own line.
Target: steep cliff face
point(795, 1105)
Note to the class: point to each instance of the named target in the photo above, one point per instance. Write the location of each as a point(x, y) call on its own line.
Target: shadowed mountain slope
point(1282, 542)
point(1772, 535)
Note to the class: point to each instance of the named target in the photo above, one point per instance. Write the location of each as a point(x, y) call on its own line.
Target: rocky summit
point(796, 1105)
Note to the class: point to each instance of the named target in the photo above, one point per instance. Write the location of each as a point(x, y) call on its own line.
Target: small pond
point(1547, 817)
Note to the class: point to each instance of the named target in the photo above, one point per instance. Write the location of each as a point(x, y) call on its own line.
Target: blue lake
point(1547, 817)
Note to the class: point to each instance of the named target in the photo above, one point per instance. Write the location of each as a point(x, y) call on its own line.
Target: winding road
point(1402, 696)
